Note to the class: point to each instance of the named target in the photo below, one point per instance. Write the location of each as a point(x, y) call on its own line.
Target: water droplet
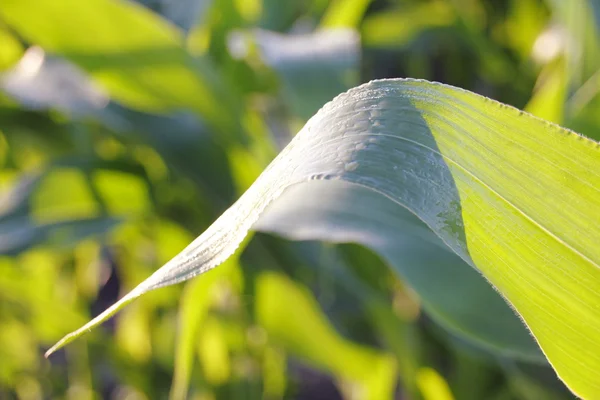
point(375, 113)
point(351, 166)
point(361, 146)
point(360, 125)
point(395, 167)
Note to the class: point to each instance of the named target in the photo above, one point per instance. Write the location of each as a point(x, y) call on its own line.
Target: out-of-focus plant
point(127, 128)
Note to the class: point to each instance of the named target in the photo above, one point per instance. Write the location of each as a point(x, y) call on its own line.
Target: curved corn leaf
point(338, 211)
point(512, 195)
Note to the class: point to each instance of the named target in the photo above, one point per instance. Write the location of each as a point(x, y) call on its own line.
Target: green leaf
point(39, 82)
point(342, 212)
point(58, 205)
point(344, 13)
point(313, 67)
point(433, 386)
point(180, 138)
point(310, 336)
point(195, 304)
point(580, 36)
point(18, 235)
point(514, 196)
point(183, 13)
point(11, 49)
point(548, 100)
point(533, 382)
point(399, 28)
point(135, 55)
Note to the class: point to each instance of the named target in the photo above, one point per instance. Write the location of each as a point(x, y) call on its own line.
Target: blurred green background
point(127, 128)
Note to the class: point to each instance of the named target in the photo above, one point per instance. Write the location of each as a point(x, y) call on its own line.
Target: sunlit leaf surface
point(511, 195)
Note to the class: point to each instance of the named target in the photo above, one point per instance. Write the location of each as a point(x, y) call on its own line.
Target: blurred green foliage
point(127, 128)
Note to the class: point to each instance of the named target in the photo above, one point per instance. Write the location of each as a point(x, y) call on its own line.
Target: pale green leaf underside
point(343, 212)
point(512, 195)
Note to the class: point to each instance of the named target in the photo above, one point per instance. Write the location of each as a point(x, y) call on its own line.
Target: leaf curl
point(512, 195)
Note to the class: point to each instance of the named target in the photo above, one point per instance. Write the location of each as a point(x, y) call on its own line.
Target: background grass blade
point(136, 55)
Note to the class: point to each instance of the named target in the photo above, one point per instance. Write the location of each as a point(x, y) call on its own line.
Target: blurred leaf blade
point(195, 304)
point(313, 67)
point(11, 49)
point(581, 37)
point(39, 82)
point(17, 235)
point(183, 13)
point(137, 56)
point(54, 206)
point(548, 100)
point(399, 28)
point(345, 13)
point(324, 348)
point(432, 385)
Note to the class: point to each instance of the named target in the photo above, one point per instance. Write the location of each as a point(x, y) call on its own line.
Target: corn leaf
point(513, 196)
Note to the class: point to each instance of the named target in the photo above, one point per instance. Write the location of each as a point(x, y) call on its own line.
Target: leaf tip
point(109, 312)
point(61, 343)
